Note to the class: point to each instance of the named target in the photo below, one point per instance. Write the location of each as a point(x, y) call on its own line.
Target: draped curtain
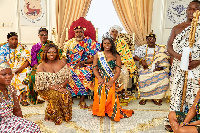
point(136, 17)
point(68, 11)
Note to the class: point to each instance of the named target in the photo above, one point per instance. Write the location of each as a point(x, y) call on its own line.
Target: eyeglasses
point(149, 39)
point(43, 34)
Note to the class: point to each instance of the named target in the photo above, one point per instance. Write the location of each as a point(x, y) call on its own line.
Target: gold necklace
point(153, 55)
point(9, 96)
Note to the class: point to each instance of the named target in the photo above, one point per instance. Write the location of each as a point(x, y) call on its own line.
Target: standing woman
point(51, 79)
point(107, 68)
point(36, 59)
point(10, 112)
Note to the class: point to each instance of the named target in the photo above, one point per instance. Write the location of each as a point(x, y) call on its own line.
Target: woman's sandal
point(40, 101)
point(90, 107)
point(125, 96)
point(83, 105)
point(142, 102)
point(58, 121)
point(24, 103)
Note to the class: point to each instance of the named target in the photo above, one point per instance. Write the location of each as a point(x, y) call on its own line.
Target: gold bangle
point(140, 60)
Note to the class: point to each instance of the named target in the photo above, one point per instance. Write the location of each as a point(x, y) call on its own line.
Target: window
point(102, 14)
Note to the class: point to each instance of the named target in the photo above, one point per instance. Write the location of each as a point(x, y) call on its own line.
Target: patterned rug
point(84, 122)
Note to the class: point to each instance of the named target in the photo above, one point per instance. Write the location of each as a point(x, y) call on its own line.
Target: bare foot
point(46, 118)
point(90, 107)
point(83, 105)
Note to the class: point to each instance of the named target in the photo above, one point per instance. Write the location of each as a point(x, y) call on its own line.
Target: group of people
point(56, 75)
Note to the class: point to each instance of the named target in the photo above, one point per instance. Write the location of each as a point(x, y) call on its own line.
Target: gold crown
point(78, 27)
point(151, 34)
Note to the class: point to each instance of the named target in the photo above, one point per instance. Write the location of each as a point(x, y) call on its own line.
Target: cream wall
point(28, 35)
point(158, 23)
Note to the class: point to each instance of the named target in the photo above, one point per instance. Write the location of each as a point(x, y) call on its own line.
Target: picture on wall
point(175, 12)
point(33, 12)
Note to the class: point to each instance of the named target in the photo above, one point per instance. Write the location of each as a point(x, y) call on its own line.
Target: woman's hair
point(113, 47)
point(46, 49)
point(197, 1)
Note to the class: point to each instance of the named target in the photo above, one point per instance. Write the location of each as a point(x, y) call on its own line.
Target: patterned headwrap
point(151, 35)
point(116, 27)
point(42, 29)
point(4, 65)
point(11, 34)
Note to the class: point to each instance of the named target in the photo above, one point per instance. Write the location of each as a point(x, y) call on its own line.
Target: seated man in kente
point(128, 63)
point(79, 52)
point(19, 58)
point(153, 73)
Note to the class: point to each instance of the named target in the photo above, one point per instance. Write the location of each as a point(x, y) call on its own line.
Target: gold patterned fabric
point(126, 56)
point(128, 66)
point(44, 79)
point(59, 104)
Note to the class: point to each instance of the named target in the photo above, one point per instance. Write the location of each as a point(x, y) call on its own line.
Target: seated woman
point(51, 80)
point(10, 112)
point(107, 68)
point(187, 123)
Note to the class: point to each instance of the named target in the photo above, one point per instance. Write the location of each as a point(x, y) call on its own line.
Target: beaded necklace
point(197, 107)
point(9, 104)
point(153, 55)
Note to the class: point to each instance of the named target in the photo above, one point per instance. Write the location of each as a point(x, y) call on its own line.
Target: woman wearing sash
point(107, 68)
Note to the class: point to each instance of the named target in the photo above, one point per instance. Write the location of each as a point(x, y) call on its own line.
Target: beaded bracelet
point(185, 124)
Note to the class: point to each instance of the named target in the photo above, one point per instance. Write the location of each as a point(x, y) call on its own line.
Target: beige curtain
point(66, 12)
point(136, 16)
